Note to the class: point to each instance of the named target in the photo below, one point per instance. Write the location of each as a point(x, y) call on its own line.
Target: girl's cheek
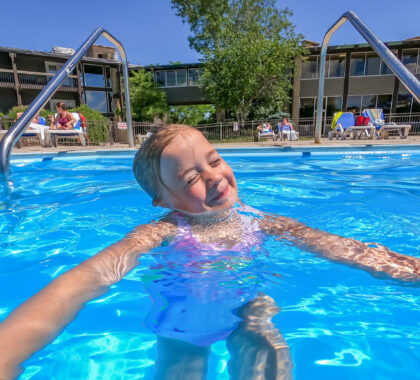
point(197, 191)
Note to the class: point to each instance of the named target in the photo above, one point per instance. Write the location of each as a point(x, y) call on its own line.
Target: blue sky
point(151, 33)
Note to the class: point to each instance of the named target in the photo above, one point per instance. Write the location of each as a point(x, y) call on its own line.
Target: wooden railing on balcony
point(6, 78)
point(34, 80)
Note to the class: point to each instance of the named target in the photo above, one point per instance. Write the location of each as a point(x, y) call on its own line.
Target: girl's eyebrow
point(209, 154)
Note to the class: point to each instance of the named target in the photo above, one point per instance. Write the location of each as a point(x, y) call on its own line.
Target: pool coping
point(269, 150)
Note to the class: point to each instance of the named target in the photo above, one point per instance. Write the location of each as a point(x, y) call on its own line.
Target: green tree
point(147, 101)
point(191, 114)
point(249, 49)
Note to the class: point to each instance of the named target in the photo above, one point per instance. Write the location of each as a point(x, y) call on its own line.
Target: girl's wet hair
point(146, 164)
point(60, 105)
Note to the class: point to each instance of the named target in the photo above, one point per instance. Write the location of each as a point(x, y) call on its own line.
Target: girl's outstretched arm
point(369, 256)
point(41, 318)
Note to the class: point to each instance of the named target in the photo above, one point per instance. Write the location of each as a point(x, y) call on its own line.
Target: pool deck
point(411, 140)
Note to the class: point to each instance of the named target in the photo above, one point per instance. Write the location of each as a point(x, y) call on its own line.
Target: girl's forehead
point(185, 145)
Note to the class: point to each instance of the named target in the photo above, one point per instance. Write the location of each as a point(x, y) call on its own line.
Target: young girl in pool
point(181, 171)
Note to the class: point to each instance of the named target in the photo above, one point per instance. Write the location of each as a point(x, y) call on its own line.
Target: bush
point(12, 114)
point(97, 124)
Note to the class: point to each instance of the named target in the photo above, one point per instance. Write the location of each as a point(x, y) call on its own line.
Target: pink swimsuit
point(199, 285)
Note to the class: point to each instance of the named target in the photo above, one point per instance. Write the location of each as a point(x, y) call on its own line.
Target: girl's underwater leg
point(258, 350)
point(178, 360)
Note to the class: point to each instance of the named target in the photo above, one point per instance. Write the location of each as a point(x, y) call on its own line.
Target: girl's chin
point(227, 204)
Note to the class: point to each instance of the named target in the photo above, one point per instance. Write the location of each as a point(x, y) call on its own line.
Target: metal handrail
point(402, 73)
point(14, 133)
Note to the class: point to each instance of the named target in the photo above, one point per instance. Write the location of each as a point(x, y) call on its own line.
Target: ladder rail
point(19, 127)
point(396, 66)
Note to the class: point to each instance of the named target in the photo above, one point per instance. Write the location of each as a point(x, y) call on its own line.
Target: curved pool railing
point(14, 133)
point(402, 73)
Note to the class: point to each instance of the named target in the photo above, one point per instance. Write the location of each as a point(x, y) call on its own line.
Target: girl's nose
point(213, 178)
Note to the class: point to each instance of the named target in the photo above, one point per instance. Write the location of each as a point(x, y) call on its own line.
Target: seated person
point(64, 119)
point(265, 128)
point(35, 124)
point(286, 130)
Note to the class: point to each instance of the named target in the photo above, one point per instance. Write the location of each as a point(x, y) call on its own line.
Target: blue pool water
point(340, 322)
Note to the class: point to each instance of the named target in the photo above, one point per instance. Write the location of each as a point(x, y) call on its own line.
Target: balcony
point(37, 81)
point(34, 80)
point(7, 79)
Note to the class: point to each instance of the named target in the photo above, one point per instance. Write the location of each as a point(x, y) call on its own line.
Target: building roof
point(412, 42)
point(61, 56)
point(309, 43)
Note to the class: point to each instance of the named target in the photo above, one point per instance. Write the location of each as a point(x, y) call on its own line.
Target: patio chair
point(53, 135)
point(344, 125)
point(34, 130)
point(286, 133)
point(266, 132)
point(382, 129)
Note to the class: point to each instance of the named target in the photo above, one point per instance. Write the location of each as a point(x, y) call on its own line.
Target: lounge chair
point(52, 135)
point(344, 125)
point(382, 129)
point(34, 130)
point(266, 132)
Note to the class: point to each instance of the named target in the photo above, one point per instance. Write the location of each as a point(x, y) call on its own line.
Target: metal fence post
point(221, 133)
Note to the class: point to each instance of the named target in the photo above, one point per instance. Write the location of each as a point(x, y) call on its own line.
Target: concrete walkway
point(411, 140)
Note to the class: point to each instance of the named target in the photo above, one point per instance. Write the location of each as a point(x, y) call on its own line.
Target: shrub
point(97, 124)
point(12, 114)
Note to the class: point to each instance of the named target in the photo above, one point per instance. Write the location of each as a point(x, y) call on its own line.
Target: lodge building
point(355, 78)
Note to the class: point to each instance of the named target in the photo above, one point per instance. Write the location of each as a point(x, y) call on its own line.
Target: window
point(368, 101)
point(404, 103)
point(334, 104)
point(384, 102)
point(385, 70)
point(94, 76)
point(97, 100)
point(336, 66)
point(181, 77)
point(52, 67)
point(170, 78)
point(193, 77)
point(160, 78)
point(357, 64)
point(373, 63)
point(368, 64)
point(108, 82)
point(110, 103)
point(416, 106)
point(354, 103)
point(310, 68)
point(409, 59)
point(307, 107)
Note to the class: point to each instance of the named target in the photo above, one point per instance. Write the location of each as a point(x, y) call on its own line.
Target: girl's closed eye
point(215, 161)
point(192, 179)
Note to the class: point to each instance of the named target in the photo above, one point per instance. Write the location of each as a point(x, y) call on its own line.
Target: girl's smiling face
point(195, 178)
